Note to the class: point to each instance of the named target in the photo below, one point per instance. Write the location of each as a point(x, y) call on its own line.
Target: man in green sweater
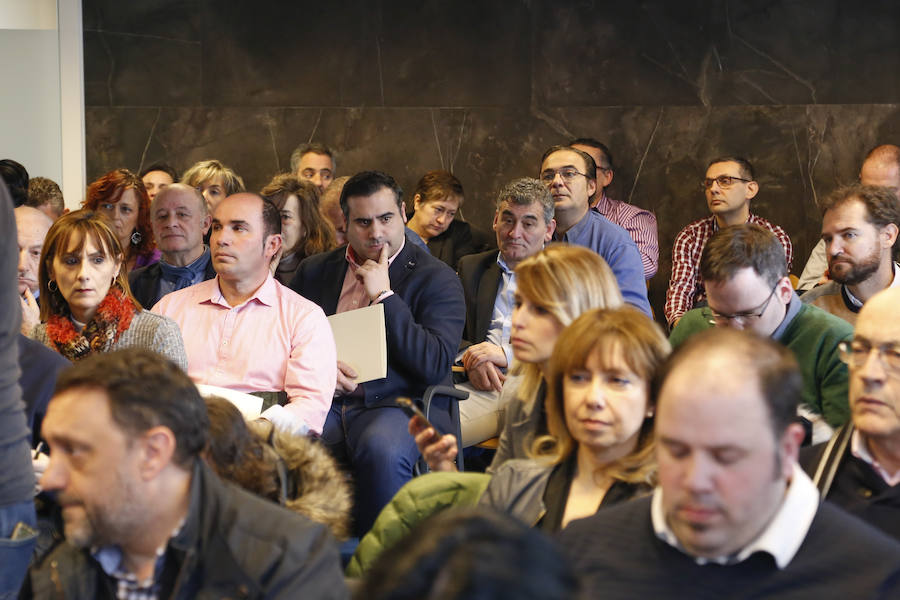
point(747, 286)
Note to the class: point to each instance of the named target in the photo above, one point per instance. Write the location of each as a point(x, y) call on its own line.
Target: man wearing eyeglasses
point(570, 175)
point(747, 287)
point(859, 468)
point(860, 230)
point(729, 186)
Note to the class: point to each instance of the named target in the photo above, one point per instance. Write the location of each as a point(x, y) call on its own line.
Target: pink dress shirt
point(275, 341)
point(640, 225)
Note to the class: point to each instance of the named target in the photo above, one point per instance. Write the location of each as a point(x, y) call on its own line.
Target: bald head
point(180, 190)
point(31, 229)
point(882, 167)
point(874, 396)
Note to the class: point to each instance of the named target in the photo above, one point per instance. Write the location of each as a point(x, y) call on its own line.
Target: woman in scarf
point(86, 304)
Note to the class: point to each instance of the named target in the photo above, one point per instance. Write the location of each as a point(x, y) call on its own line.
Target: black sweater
point(619, 556)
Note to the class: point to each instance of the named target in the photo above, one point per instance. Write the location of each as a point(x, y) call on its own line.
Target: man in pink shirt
point(245, 331)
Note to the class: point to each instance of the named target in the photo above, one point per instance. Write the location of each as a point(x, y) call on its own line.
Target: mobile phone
point(409, 407)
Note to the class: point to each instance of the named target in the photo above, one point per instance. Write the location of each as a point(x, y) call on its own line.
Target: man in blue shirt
point(570, 175)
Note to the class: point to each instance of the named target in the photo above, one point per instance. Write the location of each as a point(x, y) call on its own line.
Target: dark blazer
point(144, 283)
point(39, 368)
point(423, 318)
point(480, 276)
point(453, 244)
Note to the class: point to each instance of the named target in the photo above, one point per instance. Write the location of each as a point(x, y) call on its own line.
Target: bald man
point(859, 470)
point(31, 229)
point(245, 331)
point(881, 167)
point(180, 220)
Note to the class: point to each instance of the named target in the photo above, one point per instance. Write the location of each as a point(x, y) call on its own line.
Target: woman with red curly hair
point(86, 304)
point(121, 199)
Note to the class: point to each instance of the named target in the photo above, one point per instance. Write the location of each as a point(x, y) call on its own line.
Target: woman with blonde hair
point(303, 228)
point(599, 449)
point(86, 303)
point(554, 287)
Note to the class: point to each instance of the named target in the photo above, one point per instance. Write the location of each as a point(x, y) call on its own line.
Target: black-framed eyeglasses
point(567, 175)
point(855, 354)
point(745, 317)
point(724, 181)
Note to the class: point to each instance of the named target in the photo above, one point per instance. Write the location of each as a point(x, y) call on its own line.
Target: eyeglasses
point(724, 181)
point(567, 175)
point(856, 353)
point(745, 317)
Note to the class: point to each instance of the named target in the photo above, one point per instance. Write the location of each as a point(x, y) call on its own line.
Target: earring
point(51, 285)
point(650, 414)
point(136, 238)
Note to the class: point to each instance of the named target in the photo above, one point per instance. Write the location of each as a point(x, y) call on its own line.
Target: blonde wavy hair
point(621, 335)
point(565, 281)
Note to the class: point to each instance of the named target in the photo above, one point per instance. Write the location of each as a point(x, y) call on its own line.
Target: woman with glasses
point(121, 199)
point(554, 287)
point(599, 447)
point(436, 201)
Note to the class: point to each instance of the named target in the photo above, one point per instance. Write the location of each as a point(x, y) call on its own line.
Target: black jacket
point(233, 545)
point(144, 283)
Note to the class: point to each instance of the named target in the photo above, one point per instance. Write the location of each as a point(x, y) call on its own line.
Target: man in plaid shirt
point(729, 186)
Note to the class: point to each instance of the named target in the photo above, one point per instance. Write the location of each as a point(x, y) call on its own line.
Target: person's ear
point(273, 244)
point(591, 187)
point(888, 235)
point(206, 224)
point(157, 448)
point(785, 290)
point(551, 227)
point(752, 190)
point(417, 202)
point(789, 448)
point(403, 209)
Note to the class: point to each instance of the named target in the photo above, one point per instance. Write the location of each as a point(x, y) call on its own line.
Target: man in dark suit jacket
point(39, 367)
point(180, 219)
point(523, 223)
point(424, 312)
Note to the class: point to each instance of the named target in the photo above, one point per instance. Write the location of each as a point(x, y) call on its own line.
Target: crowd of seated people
point(752, 449)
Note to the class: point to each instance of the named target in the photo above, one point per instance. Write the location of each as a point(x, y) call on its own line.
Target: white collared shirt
point(894, 283)
point(781, 538)
point(860, 450)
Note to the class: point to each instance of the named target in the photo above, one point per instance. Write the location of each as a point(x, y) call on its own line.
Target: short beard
point(112, 523)
point(859, 271)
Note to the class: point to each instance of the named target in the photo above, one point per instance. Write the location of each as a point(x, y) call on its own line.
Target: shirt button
point(865, 493)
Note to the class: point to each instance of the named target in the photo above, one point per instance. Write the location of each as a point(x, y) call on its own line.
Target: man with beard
point(860, 230)
point(144, 516)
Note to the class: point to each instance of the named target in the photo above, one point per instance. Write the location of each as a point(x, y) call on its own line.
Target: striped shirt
point(640, 225)
point(685, 285)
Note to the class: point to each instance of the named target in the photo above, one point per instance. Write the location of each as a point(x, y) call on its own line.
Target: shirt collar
point(503, 266)
point(266, 294)
point(793, 309)
point(781, 538)
point(857, 302)
point(604, 204)
point(353, 258)
point(577, 228)
point(860, 449)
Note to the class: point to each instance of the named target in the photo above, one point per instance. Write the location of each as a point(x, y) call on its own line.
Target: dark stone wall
point(802, 88)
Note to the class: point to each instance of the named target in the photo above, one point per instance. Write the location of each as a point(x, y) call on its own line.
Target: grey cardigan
point(521, 420)
point(147, 330)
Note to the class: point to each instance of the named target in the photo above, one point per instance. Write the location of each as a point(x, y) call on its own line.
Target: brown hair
point(109, 188)
point(317, 235)
point(624, 332)
point(438, 185)
point(743, 246)
point(83, 224)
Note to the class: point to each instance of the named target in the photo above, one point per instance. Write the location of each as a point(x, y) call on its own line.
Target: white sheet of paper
point(361, 341)
point(249, 405)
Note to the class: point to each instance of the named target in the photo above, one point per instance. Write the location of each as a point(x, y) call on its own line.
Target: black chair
point(456, 396)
